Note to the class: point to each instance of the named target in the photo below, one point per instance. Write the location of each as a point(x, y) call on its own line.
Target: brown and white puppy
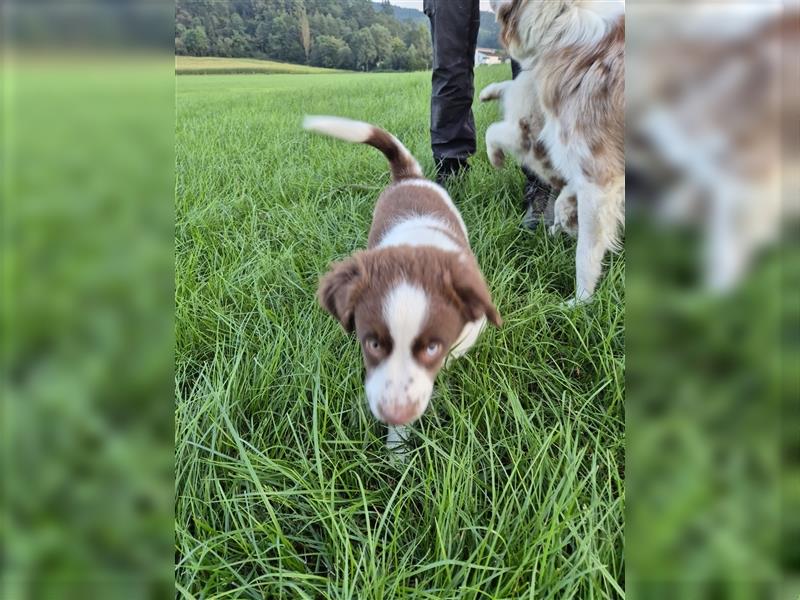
point(564, 116)
point(416, 295)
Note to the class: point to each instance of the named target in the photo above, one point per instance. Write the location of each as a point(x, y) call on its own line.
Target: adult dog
point(564, 116)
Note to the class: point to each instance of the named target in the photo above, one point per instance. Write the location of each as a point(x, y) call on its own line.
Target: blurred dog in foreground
point(416, 296)
point(564, 116)
point(712, 136)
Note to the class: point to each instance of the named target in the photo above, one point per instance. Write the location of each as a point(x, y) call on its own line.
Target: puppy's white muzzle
point(398, 396)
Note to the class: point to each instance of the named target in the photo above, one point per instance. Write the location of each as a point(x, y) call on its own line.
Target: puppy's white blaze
point(420, 231)
point(445, 197)
point(399, 381)
point(344, 129)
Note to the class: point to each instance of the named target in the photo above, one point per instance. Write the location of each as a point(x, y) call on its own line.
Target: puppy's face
point(408, 310)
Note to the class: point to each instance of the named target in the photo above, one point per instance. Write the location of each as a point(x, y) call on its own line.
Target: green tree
point(240, 45)
point(382, 38)
point(305, 30)
point(344, 58)
point(417, 61)
point(196, 41)
point(399, 55)
point(386, 8)
point(326, 51)
point(262, 35)
point(364, 51)
point(283, 39)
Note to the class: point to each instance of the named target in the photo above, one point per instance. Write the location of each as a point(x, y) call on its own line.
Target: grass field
point(212, 65)
point(284, 489)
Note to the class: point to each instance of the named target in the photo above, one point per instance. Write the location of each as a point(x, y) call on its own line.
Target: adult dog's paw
point(492, 91)
point(565, 214)
point(497, 157)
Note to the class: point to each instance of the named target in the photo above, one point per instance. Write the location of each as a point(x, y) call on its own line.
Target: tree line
point(345, 34)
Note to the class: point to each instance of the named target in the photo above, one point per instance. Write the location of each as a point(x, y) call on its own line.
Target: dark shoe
point(448, 167)
point(538, 202)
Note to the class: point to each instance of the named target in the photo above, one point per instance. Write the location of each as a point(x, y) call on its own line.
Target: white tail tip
point(344, 129)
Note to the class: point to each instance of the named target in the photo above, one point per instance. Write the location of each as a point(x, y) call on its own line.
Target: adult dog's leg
point(597, 229)
point(565, 213)
point(494, 91)
point(727, 245)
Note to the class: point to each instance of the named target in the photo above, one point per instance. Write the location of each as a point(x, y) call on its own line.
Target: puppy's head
point(408, 307)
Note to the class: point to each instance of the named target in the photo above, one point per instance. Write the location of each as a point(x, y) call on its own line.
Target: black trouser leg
point(454, 30)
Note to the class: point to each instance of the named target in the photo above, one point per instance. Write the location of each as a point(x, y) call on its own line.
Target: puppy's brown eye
point(432, 349)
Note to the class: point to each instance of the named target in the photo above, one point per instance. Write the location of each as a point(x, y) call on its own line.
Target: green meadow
point(514, 487)
point(213, 65)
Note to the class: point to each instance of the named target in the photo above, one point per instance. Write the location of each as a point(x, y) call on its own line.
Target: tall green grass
point(514, 487)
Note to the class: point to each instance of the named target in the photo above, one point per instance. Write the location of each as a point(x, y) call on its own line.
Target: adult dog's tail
point(401, 163)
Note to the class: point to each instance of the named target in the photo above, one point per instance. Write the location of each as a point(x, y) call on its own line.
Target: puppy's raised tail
point(401, 163)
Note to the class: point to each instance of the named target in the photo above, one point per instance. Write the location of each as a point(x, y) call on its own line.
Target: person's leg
point(454, 31)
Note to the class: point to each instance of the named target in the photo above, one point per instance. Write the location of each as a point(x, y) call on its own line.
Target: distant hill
point(406, 14)
point(338, 34)
point(488, 34)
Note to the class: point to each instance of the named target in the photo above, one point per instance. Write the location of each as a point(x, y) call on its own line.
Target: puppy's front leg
point(494, 91)
point(466, 340)
point(396, 438)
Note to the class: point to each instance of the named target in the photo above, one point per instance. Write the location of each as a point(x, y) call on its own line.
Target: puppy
point(416, 295)
point(564, 116)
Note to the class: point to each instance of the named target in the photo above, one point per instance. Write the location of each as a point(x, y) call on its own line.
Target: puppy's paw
point(397, 444)
point(576, 302)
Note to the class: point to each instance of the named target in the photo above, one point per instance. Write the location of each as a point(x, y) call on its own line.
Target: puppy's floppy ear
point(339, 289)
point(470, 291)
